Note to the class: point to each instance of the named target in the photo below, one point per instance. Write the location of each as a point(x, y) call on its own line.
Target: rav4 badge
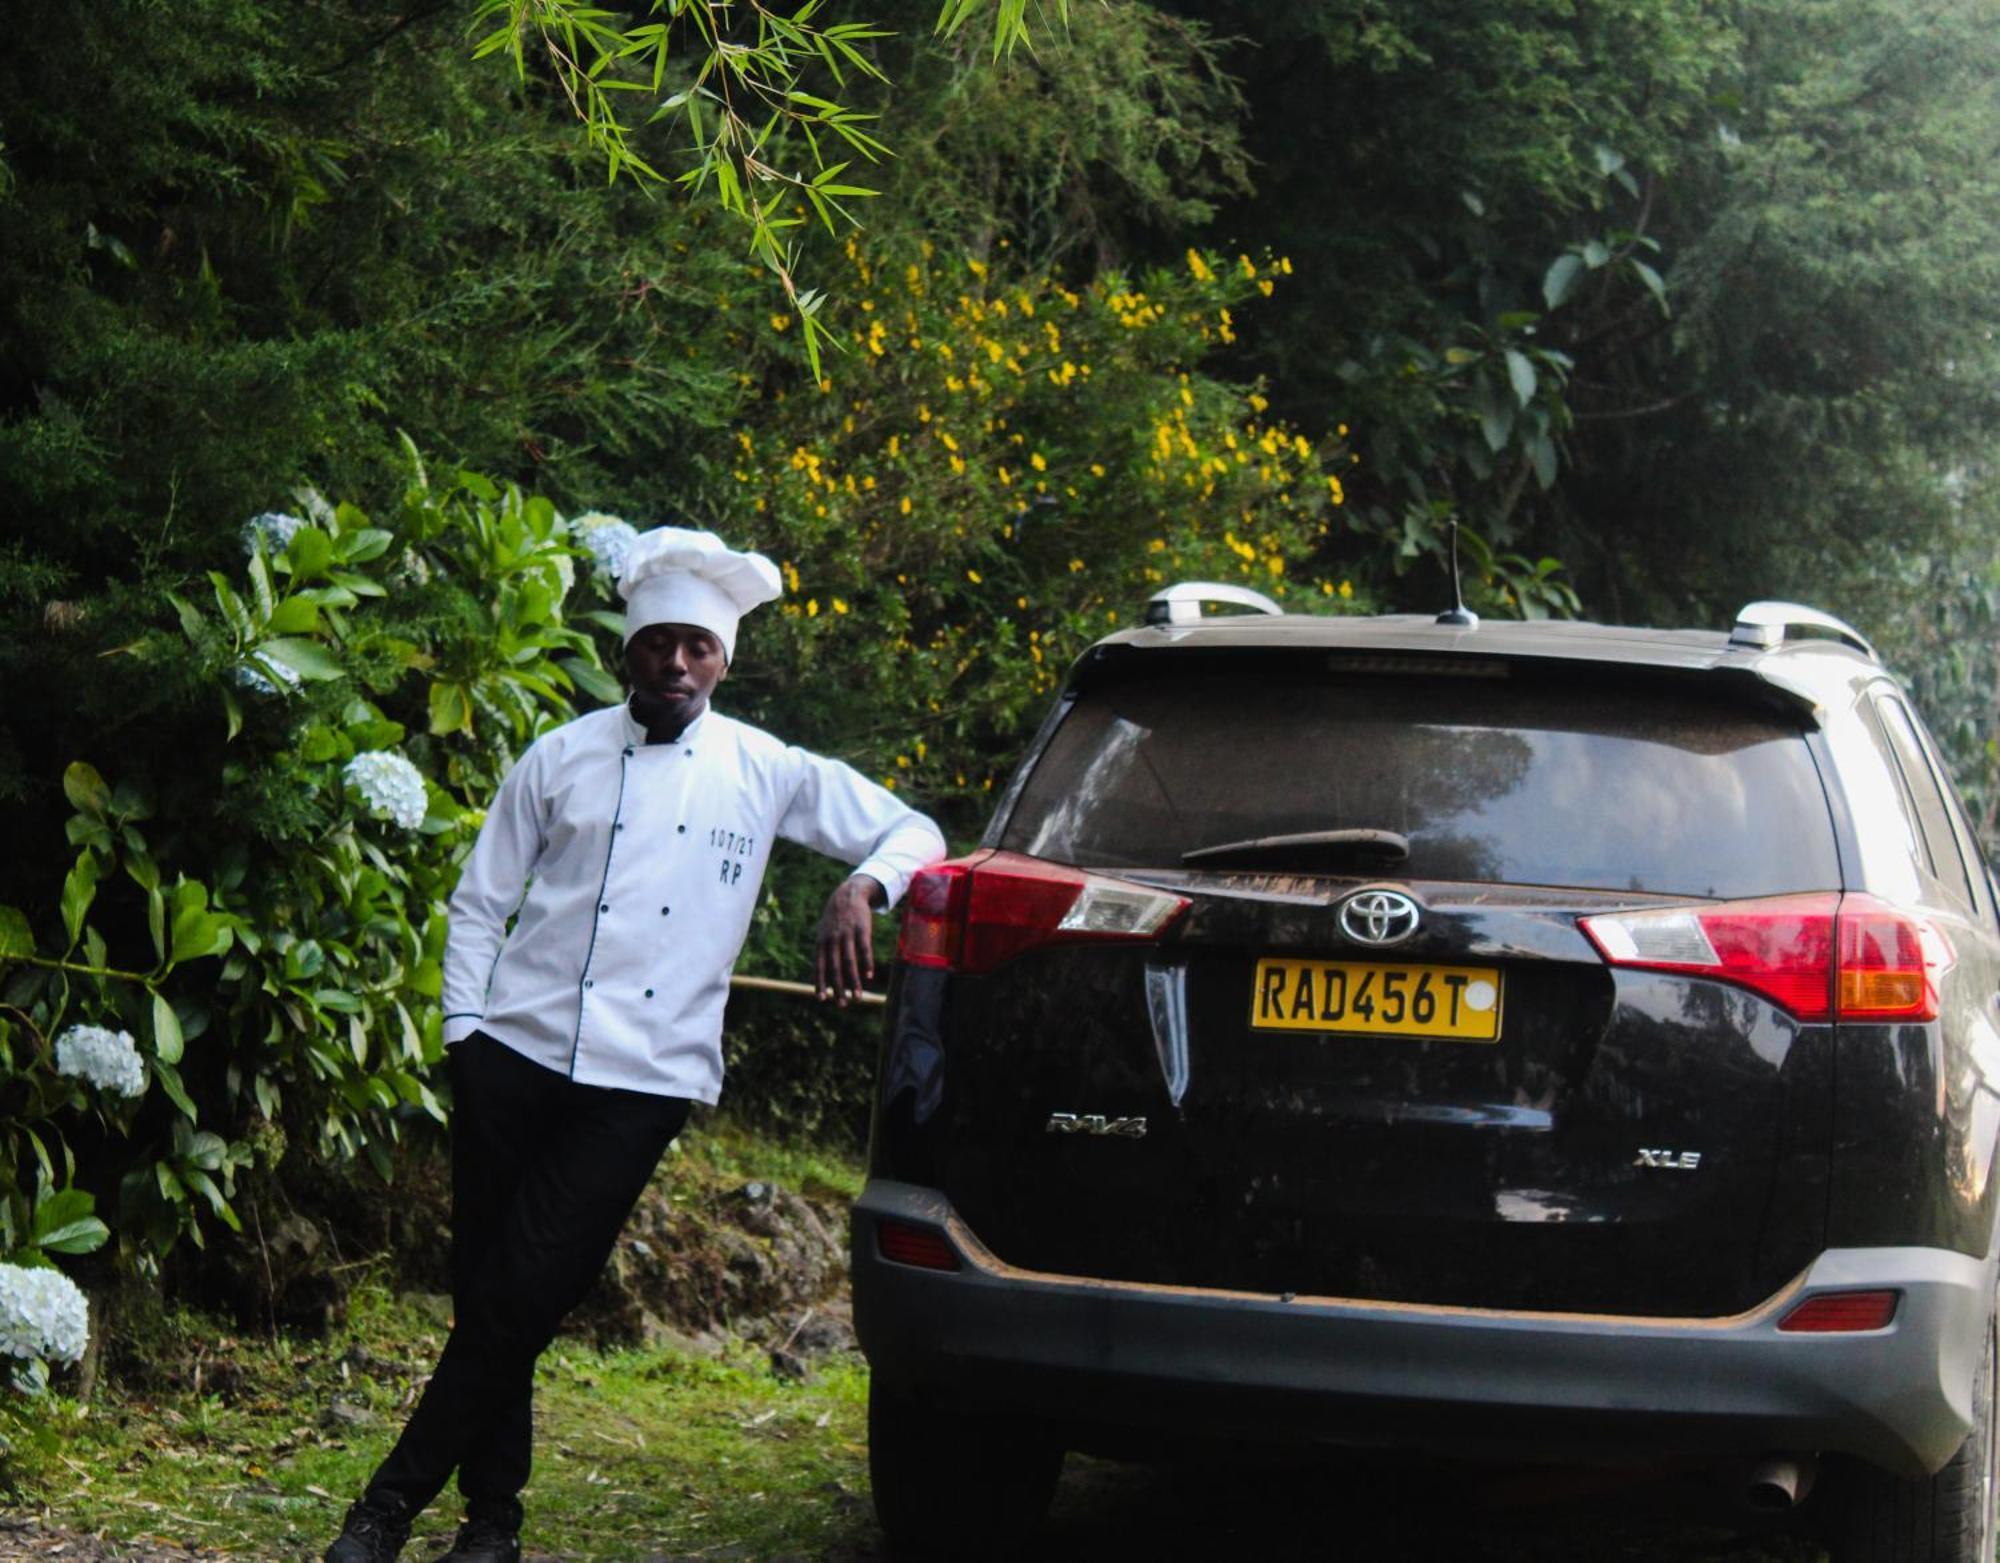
point(1097, 1123)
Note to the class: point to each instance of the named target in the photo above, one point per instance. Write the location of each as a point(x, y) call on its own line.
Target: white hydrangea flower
point(42, 1314)
point(273, 528)
point(608, 540)
point(107, 1059)
point(391, 786)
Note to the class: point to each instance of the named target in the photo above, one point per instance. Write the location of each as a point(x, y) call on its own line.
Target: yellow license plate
point(1373, 998)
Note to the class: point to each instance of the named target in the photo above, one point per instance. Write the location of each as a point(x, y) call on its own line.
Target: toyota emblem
point(1378, 917)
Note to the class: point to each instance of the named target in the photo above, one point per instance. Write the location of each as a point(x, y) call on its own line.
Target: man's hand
point(846, 938)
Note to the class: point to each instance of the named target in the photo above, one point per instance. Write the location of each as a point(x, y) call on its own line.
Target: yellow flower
point(974, 576)
point(905, 506)
point(839, 606)
point(1020, 602)
point(1199, 267)
point(1257, 403)
point(1347, 588)
point(1097, 469)
point(812, 607)
point(1244, 263)
point(781, 322)
point(1036, 460)
point(1075, 565)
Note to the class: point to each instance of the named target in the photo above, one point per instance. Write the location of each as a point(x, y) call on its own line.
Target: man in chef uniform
point(628, 846)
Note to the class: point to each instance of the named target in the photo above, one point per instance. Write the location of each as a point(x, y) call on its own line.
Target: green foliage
point(247, 246)
point(1006, 469)
point(1833, 247)
point(1127, 128)
point(1461, 187)
point(738, 77)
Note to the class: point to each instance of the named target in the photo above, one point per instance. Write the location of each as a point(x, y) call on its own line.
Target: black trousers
point(543, 1174)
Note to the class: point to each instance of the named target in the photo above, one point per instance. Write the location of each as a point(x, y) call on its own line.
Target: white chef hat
point(675, 575)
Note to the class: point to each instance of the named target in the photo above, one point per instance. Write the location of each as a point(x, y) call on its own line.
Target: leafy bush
point(1009, 468)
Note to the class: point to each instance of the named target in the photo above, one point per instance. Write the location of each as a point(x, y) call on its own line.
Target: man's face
point(673, 668)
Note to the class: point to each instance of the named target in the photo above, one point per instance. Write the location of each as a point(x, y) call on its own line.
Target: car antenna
point(1457, 614)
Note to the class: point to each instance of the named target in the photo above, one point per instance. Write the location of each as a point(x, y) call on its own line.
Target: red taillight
point(1838, 1313)
point(934, 913)
point(923, 1247)
point(1822, 956)
point(1890, 963)
point(974, 913)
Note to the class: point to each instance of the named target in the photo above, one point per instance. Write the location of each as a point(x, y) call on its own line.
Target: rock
point(748, 1261)
point(276, 1271)
point(344, 1413)
point(790, 1366)
point(828, 1328)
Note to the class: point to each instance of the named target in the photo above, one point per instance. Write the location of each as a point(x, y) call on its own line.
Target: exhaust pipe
point(1780, 1482)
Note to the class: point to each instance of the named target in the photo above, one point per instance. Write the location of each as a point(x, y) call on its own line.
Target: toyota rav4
point(1551, 1039)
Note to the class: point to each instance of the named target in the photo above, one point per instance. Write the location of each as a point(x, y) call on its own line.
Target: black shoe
point(482, 1540)
point(374, 1532)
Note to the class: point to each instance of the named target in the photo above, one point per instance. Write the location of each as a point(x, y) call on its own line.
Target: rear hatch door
point(1377, 1056)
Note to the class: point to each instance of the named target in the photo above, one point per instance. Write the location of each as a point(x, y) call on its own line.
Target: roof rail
point(1765, 626)
point(1181, 602)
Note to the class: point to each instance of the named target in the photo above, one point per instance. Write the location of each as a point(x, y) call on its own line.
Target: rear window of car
point(1509, 780)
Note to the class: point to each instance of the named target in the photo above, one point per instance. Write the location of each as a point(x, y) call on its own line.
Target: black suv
point(1553, 1040)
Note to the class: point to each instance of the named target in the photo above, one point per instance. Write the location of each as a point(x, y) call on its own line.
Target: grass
point(638, 1452)
point(252, 1445)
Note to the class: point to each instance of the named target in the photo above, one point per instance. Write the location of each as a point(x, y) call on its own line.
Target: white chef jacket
point(641, 865)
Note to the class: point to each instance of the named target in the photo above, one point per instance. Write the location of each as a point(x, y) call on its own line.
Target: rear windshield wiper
point(1385, 846)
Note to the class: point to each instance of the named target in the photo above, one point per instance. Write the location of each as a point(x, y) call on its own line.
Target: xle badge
point(1097, 1123)
point(1671, 1161)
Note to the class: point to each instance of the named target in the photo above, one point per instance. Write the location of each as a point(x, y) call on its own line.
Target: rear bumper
point(1117, 1358)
